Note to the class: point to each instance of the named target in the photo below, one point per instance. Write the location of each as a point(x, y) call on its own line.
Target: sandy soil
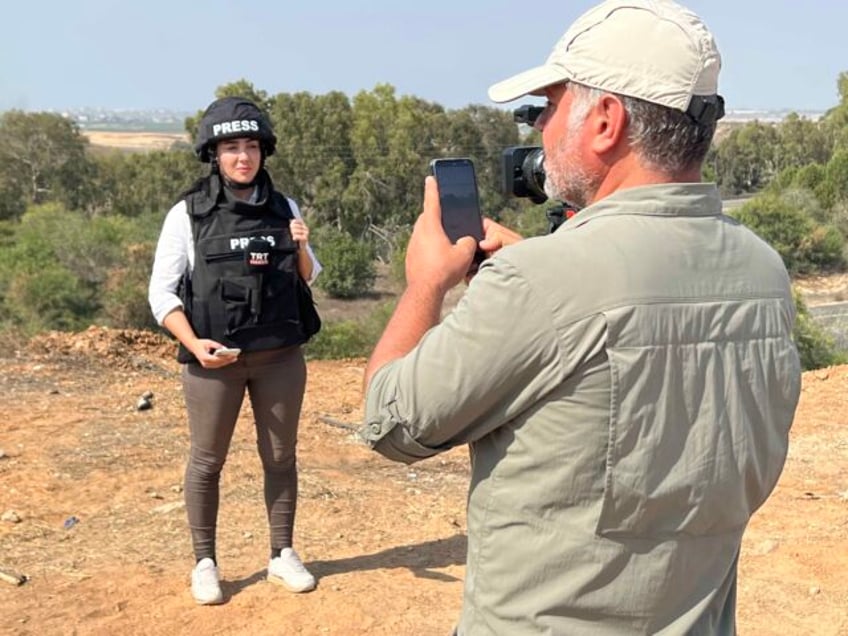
point(386, 541)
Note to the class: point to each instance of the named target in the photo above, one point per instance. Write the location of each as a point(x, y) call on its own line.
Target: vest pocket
point(240, 296)
point(249, 304)
point(280, 300)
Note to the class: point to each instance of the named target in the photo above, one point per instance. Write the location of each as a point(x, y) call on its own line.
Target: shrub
point(348, 264)
point(397, 264)
point(804, 246)
point(49, 297)
point(815, 347)
point(350, 338)
point(124, 293)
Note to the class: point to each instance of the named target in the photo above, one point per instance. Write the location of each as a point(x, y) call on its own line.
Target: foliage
point(49, 297)
point(835, 121)
point(42, 158)
point(132, 184)
point(391, 143)
point(314, 160)
point(827, 183)
point(746, 160)
point(348, 264)
point(350, 338)
point(62, 268)
point(41, 290)
point(528, 220)
point(397, 259)
point(815, 347)
point(124, 290)
point(755, 154)
point(804, 245)
point(800, 142)
point(834, 185)
point(356, 167)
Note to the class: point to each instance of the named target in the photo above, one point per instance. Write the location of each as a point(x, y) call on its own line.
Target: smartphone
point(226, 352)
point(458, 197)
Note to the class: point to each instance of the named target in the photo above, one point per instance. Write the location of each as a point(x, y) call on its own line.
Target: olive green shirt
point(626, 385)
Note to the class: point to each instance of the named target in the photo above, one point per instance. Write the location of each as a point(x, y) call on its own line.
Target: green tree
point(392, 141)
point(745, 160)
point(42, 158)
point(800, 142)
point(314, 160)
point(135, 183)
point(835, 121)
point(834, 186)
point(482, 133)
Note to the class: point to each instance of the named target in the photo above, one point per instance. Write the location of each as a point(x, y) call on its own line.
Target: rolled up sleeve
point(492, 357)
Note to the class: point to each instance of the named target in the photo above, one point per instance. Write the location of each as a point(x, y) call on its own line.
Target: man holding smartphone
point(626, 384)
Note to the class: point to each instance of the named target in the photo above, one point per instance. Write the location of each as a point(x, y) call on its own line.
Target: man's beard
point(566, 179)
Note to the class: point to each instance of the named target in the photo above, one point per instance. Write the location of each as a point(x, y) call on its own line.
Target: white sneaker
point(205, 587)
point(287, 570)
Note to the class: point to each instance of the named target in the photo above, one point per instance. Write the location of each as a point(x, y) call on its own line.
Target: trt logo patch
point(257, 255)
point(259, 259)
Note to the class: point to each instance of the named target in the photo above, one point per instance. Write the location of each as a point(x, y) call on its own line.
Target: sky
point(777, 54)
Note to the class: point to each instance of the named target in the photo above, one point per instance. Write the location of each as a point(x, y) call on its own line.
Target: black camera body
point(522, 166)
point(523, 171)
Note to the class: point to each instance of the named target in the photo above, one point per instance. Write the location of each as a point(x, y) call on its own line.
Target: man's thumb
point(467, 244)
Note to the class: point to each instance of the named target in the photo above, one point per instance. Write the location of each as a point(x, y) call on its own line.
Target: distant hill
point(774, 116)
point(162, 120)
point(128, 120)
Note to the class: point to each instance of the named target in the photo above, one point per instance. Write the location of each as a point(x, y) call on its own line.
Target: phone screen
point(458, 198)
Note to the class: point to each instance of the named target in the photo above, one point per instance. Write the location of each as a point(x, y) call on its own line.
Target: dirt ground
point(90, 493)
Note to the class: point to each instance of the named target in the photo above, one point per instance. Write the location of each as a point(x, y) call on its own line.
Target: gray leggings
point(275, 381)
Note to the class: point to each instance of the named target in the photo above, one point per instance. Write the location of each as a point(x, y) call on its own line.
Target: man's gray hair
point(666, 139)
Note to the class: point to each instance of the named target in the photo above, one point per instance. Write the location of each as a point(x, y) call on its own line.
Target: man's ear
point(608, 124)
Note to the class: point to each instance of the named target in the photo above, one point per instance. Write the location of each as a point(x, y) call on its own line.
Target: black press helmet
point(231, 117)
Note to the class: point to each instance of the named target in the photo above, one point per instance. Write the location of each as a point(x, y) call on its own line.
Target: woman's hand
point(299, 231)
point(201, 348)
point(204, 350)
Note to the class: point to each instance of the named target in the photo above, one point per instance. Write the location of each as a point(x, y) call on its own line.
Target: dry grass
point(133, 141)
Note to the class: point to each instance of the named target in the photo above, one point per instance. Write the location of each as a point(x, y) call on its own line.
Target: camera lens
point(523, 172)
point(533, 170)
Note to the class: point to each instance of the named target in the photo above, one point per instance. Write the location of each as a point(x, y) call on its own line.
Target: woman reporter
point(231, 256)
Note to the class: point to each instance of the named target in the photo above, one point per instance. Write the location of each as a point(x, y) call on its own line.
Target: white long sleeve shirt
point(175, 255)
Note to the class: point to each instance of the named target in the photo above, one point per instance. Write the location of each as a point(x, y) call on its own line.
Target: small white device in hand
point(226, 352)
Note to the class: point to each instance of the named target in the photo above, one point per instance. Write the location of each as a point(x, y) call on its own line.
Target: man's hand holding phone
point(431, 258)
point(497, 236)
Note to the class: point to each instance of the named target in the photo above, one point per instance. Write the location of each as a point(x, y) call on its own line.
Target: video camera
point(523, 170)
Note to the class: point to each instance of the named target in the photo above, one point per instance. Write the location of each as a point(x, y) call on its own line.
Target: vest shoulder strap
point(200, 203)
point(280, 205)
